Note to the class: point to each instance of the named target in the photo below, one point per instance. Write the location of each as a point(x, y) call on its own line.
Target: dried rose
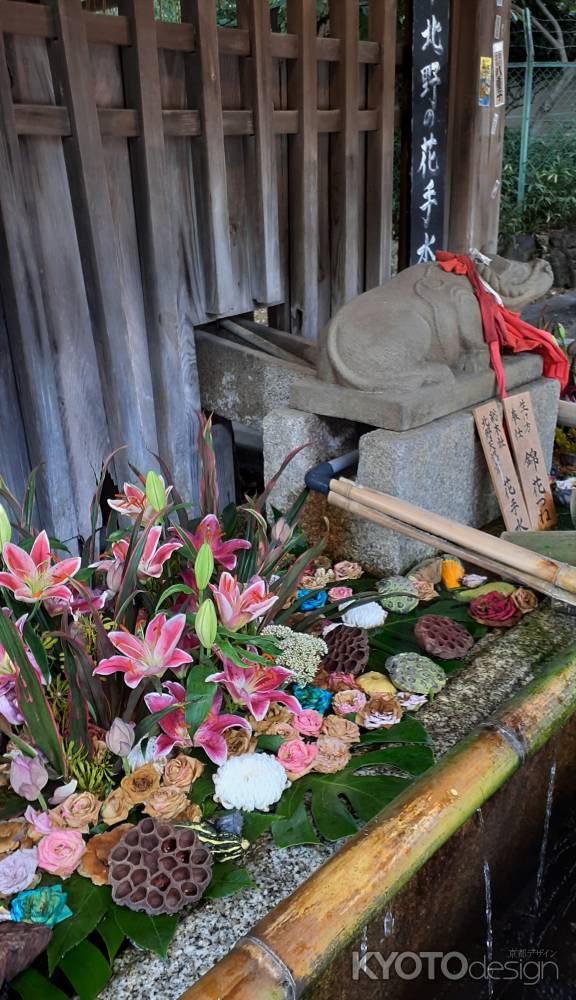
point(12, 833)
point(307, 722)
point(239, 741)
point(348, 571)
point(60, 851)
point(116, 807)
point(94, 861)
point(342, 682)
point(141, 783)
point(286, 731)
point(495, 609)
point(426, 590)
point(182, 771)
point(297, 757)
point(382, 712)
point(333, 755)
point(276, 713)
point(341, 729)
point(191, 814)
point(525, 600)
point(80, 811)
point(348, 702)
point(165, 803)
point(320, 580)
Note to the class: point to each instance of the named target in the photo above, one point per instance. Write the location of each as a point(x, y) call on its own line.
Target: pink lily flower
point(235, 607)
point(175, 732)
point(133, 503)
point(151, 562)
point(255, 687)
point(150, 656)
point(210, 533)
point(9, 707)
point(31, 577)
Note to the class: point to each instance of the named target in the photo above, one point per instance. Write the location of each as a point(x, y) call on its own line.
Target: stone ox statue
point(413, 349)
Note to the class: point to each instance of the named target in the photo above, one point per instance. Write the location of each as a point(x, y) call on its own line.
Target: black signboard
point(430, 63)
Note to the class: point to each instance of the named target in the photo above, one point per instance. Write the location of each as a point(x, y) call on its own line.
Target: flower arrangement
point(169, 693)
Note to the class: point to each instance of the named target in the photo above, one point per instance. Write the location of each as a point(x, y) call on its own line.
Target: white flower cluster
point(300, 653)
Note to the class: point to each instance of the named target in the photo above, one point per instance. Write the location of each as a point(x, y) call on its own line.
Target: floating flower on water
point(151, 561)
point(525, 600)
point(28, 776)
point(309, 696)
point(182, 771)
point(46, 905)
point(32, 577)
point(342, 682)
point(255, 687)
point(60, 851)
point(80, 811)
point(382, 712)
point(133, 502)
point(348, 571)
point(297, 757)
point(139, 785)
point(17, 871)
point(495, 609)
point(120, 737)
point(210, 533)
point(238, 607)
point(314, 599)
point(333, 755)
point(337, 594)
point(319, 580)
point(424, 589)
point(148, 657)
point(308, 722)
point(252, 781)
point(94, 861)
point(341, 729)
point(349, 702)
point(370, 615)
point(299, 652)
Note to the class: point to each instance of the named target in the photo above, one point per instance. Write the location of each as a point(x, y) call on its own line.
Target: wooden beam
point(302, 95)
point(380, 144)
point(261, 153)
point(31, 347)
point(204, 89)
point(175, 398)
point(344, 21)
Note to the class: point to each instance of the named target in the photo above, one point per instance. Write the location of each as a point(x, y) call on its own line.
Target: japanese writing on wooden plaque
point(530, 462)
point(501, 466)
point(430, 54)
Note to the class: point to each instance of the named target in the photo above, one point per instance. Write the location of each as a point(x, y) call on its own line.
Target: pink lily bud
point(28, 776)
point(120, 737)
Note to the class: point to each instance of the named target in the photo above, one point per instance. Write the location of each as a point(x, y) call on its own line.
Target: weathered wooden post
point(479, 54)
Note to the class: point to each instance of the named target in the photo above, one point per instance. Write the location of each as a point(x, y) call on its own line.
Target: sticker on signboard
point(499, 75)
point(497, 27)
point(485, 85)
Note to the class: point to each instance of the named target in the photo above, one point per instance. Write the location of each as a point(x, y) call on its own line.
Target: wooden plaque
point(488, 419)
point(530, 461)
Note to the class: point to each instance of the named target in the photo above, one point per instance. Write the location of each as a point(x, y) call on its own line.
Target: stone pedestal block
point(439, 466)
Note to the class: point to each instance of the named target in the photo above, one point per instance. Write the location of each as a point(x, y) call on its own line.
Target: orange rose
point(333, 755)
point(116, 807)
point(80, 811)
point(165, 803)
point(141, 783)
point(94, 861)
point(182, 771)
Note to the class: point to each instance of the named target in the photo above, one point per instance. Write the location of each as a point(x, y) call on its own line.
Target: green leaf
point(332, 806)
point(31, 698)
point(32, 985)
point(255, 824)
point(155, 492)
point(5, 527)
point(176, 588)
point(111, 934)
point(88, 903)
point(269, 743)
point(78, 707)
point(203, 788)
point(11, 804)
point(199, 695)
point(227, 879)
point(28, 504)
point(87, 970)
point(151, 933)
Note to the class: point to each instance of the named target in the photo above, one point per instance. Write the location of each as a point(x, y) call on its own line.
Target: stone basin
point(437, 881)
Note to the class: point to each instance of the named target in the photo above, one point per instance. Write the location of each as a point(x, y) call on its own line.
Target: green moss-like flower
point(299, 652)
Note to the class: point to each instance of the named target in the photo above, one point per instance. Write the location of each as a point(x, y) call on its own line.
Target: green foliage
point(151, 933)
point(228, 878)
point(88, 903)
point(550, 201)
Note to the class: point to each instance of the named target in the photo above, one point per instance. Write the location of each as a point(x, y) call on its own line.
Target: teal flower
point(317, 599)
point(313, 697)
point(46, 905)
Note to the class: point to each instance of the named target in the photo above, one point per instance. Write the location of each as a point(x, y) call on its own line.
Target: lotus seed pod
point(398, 594)
point(347, 650)
point(415, 673)
point(442, 637)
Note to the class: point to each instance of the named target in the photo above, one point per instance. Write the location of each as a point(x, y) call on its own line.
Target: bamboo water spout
point(547, 575)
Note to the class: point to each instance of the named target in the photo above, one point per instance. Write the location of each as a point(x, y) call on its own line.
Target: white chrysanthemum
point(251, 781)
point(365, 616)
point(300, 653)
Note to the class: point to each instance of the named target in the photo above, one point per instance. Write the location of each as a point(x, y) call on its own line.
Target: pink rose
point(17, 871)
point(60, 851)
point(340, 594)
point(348, 702)
point(297, 757)
point(308, 722)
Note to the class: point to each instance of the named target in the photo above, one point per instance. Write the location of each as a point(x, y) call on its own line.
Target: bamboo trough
point(548, 576)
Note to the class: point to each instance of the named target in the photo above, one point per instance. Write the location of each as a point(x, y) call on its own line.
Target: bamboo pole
point(479, 559)
point(506, 553)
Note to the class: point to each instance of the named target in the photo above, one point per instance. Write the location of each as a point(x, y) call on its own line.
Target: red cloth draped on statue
point(504, 329)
